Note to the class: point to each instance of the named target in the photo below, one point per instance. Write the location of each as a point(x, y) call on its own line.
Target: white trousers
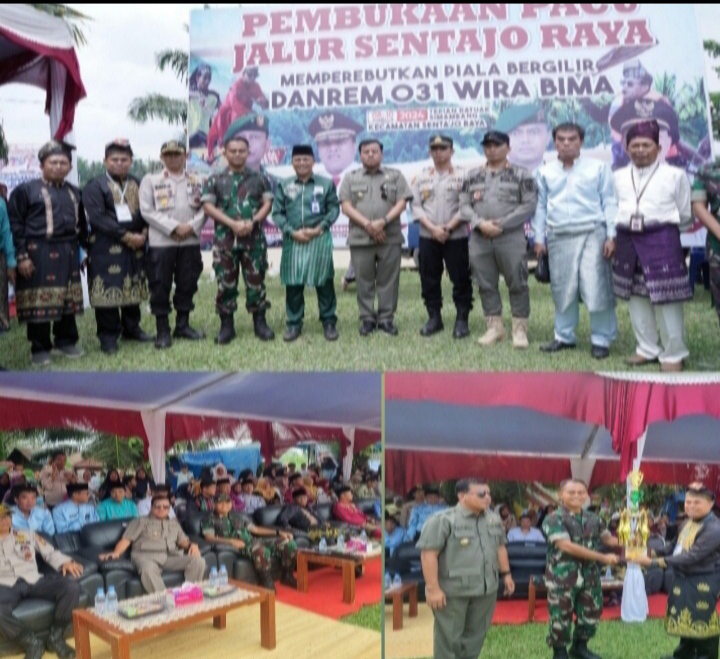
point(669, 319)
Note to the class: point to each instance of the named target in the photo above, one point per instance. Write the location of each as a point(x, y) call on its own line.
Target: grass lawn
point(614, 640)
point(409, 351)
point(369, 617)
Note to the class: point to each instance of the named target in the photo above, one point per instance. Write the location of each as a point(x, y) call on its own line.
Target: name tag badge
point(318, 190)
point(315, 207)
point(637, 223)
point(122, 211)
point(464, 542)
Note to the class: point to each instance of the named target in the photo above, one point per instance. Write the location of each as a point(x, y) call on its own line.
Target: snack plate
point(142, 611)
point(221, 591)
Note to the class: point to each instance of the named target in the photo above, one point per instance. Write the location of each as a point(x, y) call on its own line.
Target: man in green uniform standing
point(238, 200)
point(373, 198)
point(306, 206)
point(572, 577)
point(463, 552)
point(258, 544)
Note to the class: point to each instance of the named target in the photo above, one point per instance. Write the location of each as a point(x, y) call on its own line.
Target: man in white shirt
point(649, 268)
point(526, 532)
point(184, 476)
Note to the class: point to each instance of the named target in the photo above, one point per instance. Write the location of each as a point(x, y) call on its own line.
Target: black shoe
point(388, 328)
point(367, 328)
point(262, 331)
point(557, 346)
point(56, 643)
point(138, 335)
point(109, 348)
point(292, 334)
point(33, 646)
point(579, 650)
point(163, 340)
point(598, 352)
point(331, 333)
point(461, 330)
point(560, 652)
point(433, 325)
point(227, 330)
point(268, 583)
point(288, 579)
point(184, 331)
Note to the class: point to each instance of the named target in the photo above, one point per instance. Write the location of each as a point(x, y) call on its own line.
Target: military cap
point(207, 481)
point(222, 481)
point(175, 144)
point(121, 144)
point(72, 488)
point(441, 140)
point(222, 498)
point(517, 115)
point(4, 510)
point(247, 123)
point(334, 124)
point(495, 137)
point(302, 150)
point(642, 109)
point(55, 148)
point(299, 492)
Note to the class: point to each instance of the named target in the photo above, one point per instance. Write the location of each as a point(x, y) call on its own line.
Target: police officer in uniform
point(170, 204)
point(498, 199)
point(20, 580)
point(572, 576)
point(157, 544)
point(374, 198)
point(443, 237)
point(463, 553)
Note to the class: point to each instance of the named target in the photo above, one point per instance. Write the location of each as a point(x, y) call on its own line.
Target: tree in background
point(712, 48)
point(89, 170)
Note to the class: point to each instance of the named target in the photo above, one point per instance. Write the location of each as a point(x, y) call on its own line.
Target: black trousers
point(64, 331)
point(183, 265)
point(54, 588)
point(454, 256)
point(691, 648)
point(111, 323)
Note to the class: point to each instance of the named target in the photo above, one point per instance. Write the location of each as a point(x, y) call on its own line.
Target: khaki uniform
point(436, 197)
point(377, 267)
point(468, 574)
point(509, 196)
point(155, 547)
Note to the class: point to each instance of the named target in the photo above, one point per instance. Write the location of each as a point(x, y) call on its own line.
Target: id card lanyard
point(637, 221)
point(122, 210)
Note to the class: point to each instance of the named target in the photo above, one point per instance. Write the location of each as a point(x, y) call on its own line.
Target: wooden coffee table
point(346, 562)
point(608, 586)
point(86, 622)
point(397, 595)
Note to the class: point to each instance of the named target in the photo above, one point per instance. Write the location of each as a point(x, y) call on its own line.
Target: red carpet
point(325, 593)
point(516, 612)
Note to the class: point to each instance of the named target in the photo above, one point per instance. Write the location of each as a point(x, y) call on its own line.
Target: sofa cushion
point(68, 543)
point(103, 535)
point(267, 516)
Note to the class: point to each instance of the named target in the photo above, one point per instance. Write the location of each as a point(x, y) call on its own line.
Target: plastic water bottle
point(100, 607)
point(111, 602)
point(608, 573)
point(169, 601)
point(388, 581)
point(341, 542)
point(223, 577)
point(397, 582)
point(363, 537)
point(214, 579)
point(323, 545)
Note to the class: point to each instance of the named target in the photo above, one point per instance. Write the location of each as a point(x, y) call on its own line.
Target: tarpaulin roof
point(278, 410)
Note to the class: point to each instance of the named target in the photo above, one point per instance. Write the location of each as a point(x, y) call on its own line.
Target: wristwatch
point(386, 221)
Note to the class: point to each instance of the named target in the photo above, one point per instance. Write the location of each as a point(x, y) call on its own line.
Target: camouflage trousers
point(266, 551)
point(714, 260)
point(573, 593)
point(230, 256)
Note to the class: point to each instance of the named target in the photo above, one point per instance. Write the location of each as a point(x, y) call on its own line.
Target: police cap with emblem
point(437, 141)
point(175, 144)
point(249, 122)
point(495, 137)
point(517, 115)
point(55, 148)
point(333, 124)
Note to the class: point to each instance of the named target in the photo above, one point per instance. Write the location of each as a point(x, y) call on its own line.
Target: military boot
point(560, 652)
point(56, 643)
point(579, 650)
point(519, 333)
point(461, 330)
point(434, 323)
point(183, 329)
point(33, 646)
point(227, 330)
point(262, 331)
point(495, 331)
point(288, 578)
point(163, 339)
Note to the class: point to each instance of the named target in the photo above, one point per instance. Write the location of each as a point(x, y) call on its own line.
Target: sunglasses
point(483, 493)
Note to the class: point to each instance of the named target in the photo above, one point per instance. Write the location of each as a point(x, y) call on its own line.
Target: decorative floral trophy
point(633, 530)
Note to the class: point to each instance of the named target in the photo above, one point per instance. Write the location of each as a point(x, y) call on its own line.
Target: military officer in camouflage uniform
point(463, 554)
point(572, 577)
point(258, 544)
point(306, 206)
point(497, 200)
point(374, 198)
point(238, 200)
point(443, 237)
point(157, 544)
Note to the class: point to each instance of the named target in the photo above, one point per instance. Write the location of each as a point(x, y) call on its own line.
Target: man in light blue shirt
point(574, 225)
point(27, 515)
point(76, 512)
point(422, 512)
point(395, 535)
point(526, 532)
